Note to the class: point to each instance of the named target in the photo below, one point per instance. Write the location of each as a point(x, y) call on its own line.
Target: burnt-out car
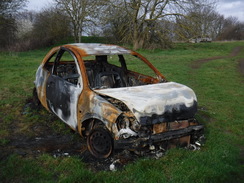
point(115, 98)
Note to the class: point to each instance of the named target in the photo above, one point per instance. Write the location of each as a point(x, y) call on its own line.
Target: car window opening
point(66, 67)
point(103, 74)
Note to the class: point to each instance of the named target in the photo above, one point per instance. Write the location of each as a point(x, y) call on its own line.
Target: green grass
point(220, 91)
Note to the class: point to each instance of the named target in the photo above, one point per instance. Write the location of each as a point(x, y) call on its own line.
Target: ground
point(47, 140)
point(198, 63)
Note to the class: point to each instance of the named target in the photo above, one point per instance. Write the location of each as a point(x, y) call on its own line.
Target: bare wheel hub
point(100, 143)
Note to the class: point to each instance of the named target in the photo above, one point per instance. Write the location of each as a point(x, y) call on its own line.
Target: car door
point(64, 86)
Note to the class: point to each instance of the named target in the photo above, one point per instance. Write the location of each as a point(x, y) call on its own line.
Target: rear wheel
point(100, 143)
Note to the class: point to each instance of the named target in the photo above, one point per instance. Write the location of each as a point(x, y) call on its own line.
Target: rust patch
point(149, 64)
point(159, 128)
point(178, 125)
point(110, 113)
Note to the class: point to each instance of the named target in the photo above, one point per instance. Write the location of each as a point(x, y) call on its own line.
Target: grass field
point(219, 86)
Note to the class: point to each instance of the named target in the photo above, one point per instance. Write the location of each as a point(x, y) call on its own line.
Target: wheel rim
point(100, 143)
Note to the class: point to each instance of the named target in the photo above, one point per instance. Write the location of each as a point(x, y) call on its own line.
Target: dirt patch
point(67, 145)
point(198, 63)
point(242, 155)
point(44, 139)
point(241, 66)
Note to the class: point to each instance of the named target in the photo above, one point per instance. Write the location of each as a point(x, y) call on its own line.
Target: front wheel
point(100, 142)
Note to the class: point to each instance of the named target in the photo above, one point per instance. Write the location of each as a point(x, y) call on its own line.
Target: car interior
point(101, 74)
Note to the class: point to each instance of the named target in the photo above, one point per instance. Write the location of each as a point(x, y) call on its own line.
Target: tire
point(100, 142)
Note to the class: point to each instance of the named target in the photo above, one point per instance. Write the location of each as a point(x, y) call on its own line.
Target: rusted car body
point(112, 105)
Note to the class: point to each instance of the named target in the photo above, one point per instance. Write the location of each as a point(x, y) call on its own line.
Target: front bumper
point(140, 142)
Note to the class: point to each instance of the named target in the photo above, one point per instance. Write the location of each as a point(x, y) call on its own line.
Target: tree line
point(146, 24)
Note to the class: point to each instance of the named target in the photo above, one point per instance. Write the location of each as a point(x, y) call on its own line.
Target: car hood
point(156, 103)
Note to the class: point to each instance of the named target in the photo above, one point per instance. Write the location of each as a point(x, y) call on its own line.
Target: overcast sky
point(225, 7)
point(231, 8)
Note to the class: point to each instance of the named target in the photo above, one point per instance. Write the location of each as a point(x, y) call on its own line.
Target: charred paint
point(62, 99)
point(152, 104)
point(99, 49)
point(40, 84)
point(103, 110)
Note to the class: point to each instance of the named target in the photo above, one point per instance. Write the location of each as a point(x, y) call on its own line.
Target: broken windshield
point(114, 71)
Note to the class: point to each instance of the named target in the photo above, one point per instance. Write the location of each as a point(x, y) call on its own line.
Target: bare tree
point(8, 27)
point(79, 12)
point(142, 17)
point(40, 29)
point(203, 21)
point(232, 29)
point(200, 21)
point(25, 21)
point(11, 7)
point(116, 24)
point(51, 26)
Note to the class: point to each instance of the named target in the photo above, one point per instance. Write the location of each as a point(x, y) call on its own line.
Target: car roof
point(87, 49)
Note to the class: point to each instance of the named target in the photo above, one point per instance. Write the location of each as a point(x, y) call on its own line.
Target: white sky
point(225, 7)
point(37, 5)
point(231, 8)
